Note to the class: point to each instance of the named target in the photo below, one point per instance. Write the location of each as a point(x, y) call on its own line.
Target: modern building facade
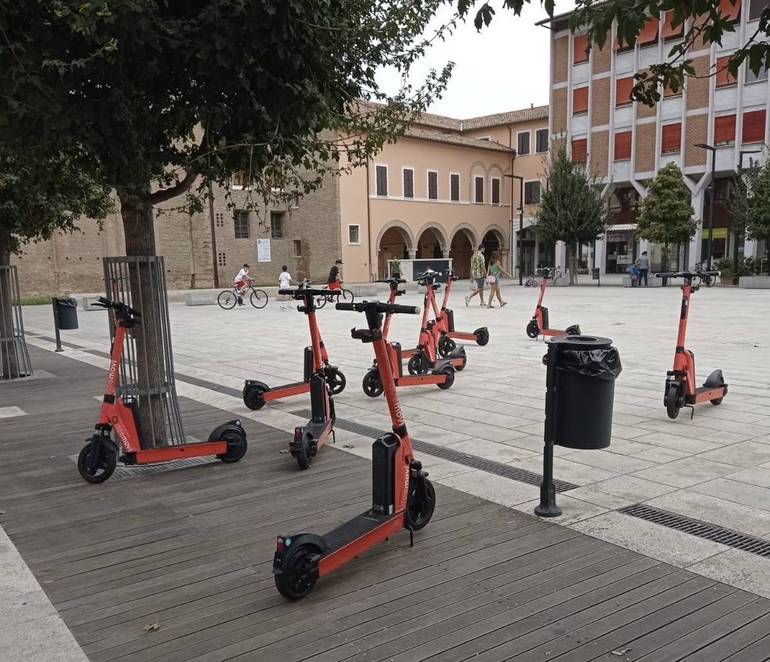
point(626, 142)
point(439, 191)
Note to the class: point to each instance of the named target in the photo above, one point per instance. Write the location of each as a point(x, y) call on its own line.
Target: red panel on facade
point(729, 10)
point(623, 87)
point(580, 150)
point(671, 138)
point(670, 32)
point(622, 145)
point(754, 126)
point(724, 129)
point(579, 49)
point(579, 100)
point(724, 77)
point(649, 32)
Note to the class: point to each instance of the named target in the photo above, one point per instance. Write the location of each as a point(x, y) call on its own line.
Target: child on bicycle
point(241, 281)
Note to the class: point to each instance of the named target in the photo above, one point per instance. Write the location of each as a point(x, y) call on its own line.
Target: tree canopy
point(749, 201)
point(702, 22)
point(666, 215)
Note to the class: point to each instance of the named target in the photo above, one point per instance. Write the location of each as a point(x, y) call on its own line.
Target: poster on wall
point(263, 250)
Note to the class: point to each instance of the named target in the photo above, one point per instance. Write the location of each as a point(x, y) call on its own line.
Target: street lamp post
point(713, 151)
point(521, 222)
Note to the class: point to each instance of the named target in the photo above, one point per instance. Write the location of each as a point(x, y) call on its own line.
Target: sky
point(504, 67)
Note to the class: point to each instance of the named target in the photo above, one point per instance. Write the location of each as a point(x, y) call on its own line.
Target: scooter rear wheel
point(418, 364)
point(573, 330)
point(372, 384)
point(254, 396)
point(337, 382)
point(449, 371)
point(482, 337)
point(672, 401)
point(446, 346)
point(236, 447)
point(103, 468)
point(299, 578)
point(533, 330)
point(422, 503)
point(303, 454)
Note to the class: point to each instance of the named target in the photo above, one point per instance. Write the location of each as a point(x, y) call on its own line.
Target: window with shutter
point(495, 191)
point(579, 100)
point(623, 87)
point(579, 150)
point(522, 143)
point(669, 31)
point(580, 49)
point(671, 138)
point(622, 145)
point(454, 187)
point(649, 32)
point(541, 140)
point(723, 75)
point(432, 185)
point(754, 127)
point(408, 183)
point(730, 11)
point(479, 190)
point(724, 129)
point(241, 224)
point(381, 175)
point(532, 193)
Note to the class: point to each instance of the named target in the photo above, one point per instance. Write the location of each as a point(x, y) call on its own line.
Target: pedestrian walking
point(495, 272)
point(633, 273)
point(644, 268)
point(478, 274)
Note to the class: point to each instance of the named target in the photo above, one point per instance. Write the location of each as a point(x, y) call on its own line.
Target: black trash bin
point(66, 313)
point(586, 369)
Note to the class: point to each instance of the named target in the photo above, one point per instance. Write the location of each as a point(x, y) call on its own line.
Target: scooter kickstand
point(411, 536)
point(692, 411)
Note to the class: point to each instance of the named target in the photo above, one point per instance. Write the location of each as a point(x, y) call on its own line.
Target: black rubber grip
point(397, 308)
point(286, 291)
point(345, 306)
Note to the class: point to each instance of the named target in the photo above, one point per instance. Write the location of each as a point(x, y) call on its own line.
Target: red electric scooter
point(445, 322)
point(680, 382)
point(256, 393)
point(538, 325)
point(424, 357)
point(402, 495)
point(99, 457)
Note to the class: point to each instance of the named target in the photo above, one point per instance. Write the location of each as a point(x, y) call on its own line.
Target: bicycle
point(346, 297)
point(531, 282)
point(228, 298)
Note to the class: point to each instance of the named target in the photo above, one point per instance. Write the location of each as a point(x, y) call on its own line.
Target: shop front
point(621, 248)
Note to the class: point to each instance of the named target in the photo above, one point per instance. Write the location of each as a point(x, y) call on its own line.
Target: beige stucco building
point(440, 190)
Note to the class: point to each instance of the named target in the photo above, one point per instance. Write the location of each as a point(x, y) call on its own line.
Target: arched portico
point(461, 247)
point(431, 241)
point(395, 241)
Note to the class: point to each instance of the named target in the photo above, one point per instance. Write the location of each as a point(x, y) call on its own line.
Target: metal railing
point(14, 357)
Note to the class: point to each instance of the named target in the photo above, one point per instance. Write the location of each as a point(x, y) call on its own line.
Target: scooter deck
point(706, 394)
point(462, 335)
point(286, 391)
point(355, 528)
point(170, 453)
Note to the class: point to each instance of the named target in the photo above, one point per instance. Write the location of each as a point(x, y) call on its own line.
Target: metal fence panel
point(14, 357)
point(147, 367)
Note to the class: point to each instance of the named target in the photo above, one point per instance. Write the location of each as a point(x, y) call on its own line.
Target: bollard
point(580, 390)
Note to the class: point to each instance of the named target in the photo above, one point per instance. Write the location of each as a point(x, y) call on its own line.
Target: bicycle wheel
point(346, 296)
point(320, 302)
point(258, 298)
point(227, 299)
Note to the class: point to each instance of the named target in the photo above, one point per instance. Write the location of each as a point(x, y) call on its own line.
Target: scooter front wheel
point(422, 504)
point(672, 401)
point(446, 346)
point(337, 382)
point(372, 384)
point(418, 364)
point(300, 573)
point(97, 461)
point(533, 330)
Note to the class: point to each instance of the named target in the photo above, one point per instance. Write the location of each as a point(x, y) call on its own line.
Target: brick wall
point(698, 88)
point(602, 58)
point(645, 147)
point(600, 101)
point(696, 130)
point(599, 152)
point(560, 51)
point(559, 111)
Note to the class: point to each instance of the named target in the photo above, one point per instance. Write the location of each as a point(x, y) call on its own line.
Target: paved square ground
point(715, 467)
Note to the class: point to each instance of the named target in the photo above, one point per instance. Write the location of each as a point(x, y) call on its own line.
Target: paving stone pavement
point(715, 467)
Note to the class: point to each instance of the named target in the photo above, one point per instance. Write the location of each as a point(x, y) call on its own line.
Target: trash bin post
point(547, 506)
point(59, 348)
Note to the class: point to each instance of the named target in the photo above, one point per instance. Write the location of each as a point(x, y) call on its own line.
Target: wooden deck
point(191, 550)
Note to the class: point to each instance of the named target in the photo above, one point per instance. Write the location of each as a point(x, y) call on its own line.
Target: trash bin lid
point(580, 342)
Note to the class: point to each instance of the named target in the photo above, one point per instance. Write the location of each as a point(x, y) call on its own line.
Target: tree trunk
point(572, 262)
point(139, 230)
point(9, 360)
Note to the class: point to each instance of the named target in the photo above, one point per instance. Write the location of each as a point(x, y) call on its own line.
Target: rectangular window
point(580, 48)
point(756, 8)
point(222, 259)
point(649, 32)
point(408, 190)
point(522, 143)
point(276, 224)
point(730, 11)
point(724, 130)
point(381, 175)
point(296, 248)
point(754, 127)
point(239, 180)
point(579, 100)
point(241, 224)
point(495, 191)
point(532, 193)
point(354, 234)
point(454, 187)
point(669, 92)
point(669, 31)
point(623, 145)
point(623, 87)
point(671, 138)
point(541, 140)
point(432, 185)
point(723, 76)
point(479, 190)
point(751, 77)
point(295, 200)
point(579, 150)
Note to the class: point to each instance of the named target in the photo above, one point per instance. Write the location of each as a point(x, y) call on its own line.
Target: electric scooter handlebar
point(379, 307)
point(391, 280)
point(686, 274)
point(302, 292)
point(104, 302)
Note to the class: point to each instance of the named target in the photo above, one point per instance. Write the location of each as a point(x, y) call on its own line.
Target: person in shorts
point(334, 281)
point(478, 274)
point(240, 282)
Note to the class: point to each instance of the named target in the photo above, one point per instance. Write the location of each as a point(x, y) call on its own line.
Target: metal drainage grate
point(694, 527)
point(139, 470)
point(459, 457)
